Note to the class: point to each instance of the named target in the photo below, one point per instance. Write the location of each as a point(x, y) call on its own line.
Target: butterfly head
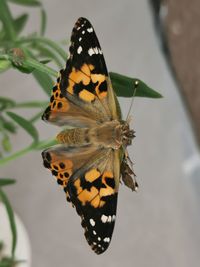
point(127, 134)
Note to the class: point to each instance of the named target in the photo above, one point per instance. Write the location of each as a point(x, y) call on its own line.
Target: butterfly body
point(91, 155)
point(105, 135)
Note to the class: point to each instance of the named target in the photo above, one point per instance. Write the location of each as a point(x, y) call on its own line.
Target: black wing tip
point(83, 20)
point(101, 250)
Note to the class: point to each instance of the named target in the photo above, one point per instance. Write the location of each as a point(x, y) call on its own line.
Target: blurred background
point(158, 225)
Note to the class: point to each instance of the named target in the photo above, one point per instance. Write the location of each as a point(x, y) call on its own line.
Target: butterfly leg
point(128, 175)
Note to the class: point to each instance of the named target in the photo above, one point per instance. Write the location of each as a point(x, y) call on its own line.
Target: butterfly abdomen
point(107, 135)
point(74, 137)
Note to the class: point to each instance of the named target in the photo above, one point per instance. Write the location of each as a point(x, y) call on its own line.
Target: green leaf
point(124, 86)
point(26, 2)
point(6, 103)
point(24, 69)
point(44, 80)
point(6, 181)
point(43, 22)
point(4, 65)
point(6, 262)
point(45, 51)
point(11, 217)
point(7, 20)
point(6, 143)
point(36, 65)
point(10, 262)
point(9, 126)
point(45, 41)
point(25, 124)
point(28, 63)
point(45, 61)
point(20, 22)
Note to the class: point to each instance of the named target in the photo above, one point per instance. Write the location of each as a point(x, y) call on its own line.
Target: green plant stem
point(16, 155)
point(47, 42)
point(34, 146)
point(11, 217)
point(31, 104)
point(31, 63)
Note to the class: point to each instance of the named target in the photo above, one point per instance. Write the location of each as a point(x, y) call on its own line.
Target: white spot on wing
point(99, 238)
point(109, 218)
point(106, 239)
point(80, 39)
point(79, 50)
point(94, 232)
point(90, 29)
point(92, 222)
point(104, 218)
point(90, 52)
point(83, 32)
point(96, 51)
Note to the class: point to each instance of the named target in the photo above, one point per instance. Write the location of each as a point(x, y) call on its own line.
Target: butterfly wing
point(61, 111)
point(91, 184)
point(85, 79)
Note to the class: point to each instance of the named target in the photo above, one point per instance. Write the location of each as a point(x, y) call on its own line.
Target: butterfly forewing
point(85, 79)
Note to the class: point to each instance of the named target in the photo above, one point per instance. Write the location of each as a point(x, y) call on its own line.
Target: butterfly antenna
point(136, 83)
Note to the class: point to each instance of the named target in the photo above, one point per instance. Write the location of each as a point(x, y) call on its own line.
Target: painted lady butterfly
point(92, 153)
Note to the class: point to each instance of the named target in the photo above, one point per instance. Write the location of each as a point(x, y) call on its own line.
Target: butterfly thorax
point(112, 134)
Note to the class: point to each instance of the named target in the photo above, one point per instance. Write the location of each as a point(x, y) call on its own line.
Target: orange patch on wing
point(98, 78)
point(107, 174)
point(77, 184)
point(92, 175)
point(78, 76)
point(91, 67)
point(86, 95)
point(61, 165)
point(96, 201)
point(108, 190)
point(58, 102)
point(70, 88)
point(102, 94)
point(87, 196)
point(85, 68)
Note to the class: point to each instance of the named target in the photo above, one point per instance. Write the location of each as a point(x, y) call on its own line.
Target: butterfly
point(91, 156)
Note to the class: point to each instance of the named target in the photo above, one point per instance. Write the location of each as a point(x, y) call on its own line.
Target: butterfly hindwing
point(90, 183)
